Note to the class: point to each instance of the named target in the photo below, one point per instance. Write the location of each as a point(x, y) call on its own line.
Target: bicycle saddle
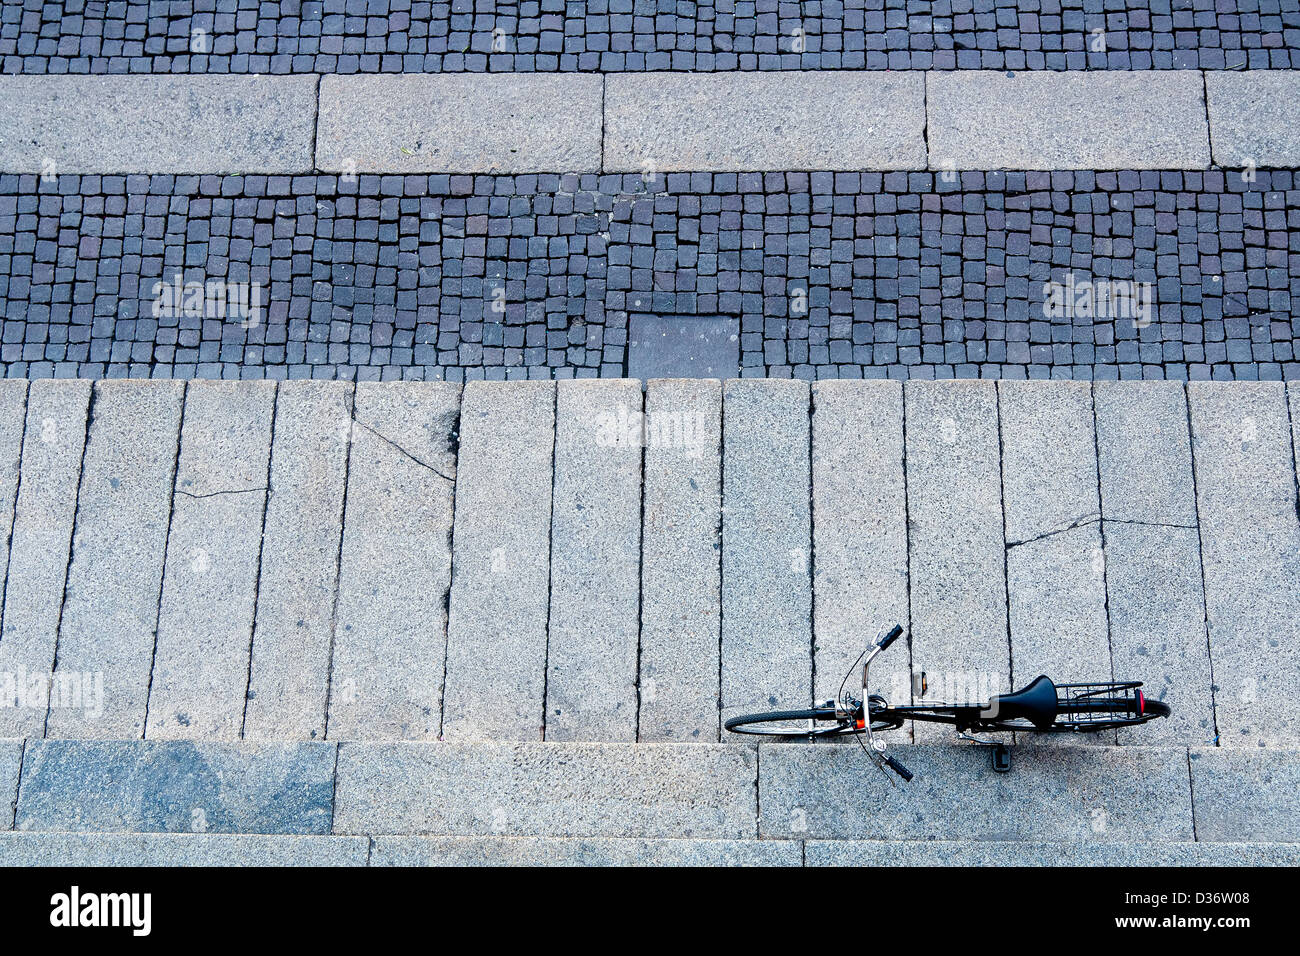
point(1035, 703)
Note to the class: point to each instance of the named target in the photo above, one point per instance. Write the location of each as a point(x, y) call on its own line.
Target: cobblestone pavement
point(346, 36)
point(830, 275)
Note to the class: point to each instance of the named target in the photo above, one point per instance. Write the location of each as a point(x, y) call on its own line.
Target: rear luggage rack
point(1081, 705)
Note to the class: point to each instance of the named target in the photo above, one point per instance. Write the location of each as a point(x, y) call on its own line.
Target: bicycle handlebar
point(898, 768)
point(894, 633)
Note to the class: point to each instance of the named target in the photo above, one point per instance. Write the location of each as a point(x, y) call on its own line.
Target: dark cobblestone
point(391, 36)
point(831, 274)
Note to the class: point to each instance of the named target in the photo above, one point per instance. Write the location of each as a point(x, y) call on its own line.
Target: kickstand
point(1001, 758)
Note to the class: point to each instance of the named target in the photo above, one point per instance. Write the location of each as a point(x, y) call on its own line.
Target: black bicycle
point(1041, 707)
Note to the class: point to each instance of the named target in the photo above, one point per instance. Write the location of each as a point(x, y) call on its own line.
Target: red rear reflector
point(861, 724)
point(1142, 703)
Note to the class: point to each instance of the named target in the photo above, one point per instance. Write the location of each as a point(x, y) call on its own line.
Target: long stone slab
point(957, 556)
point(1111, 119)
point(13, 418)
point(1056, 585)
point(681, 561)
point(105, 648)
point(496, 628)
point(11, 758)
point(859, 533)
point(1053, 794)
point(180, 849)
point(38, 549)
point(174, 786)
point(766, 546)
point(205, 623)
point(561, 851)
point(1250, 545)
point(759, 121)
point(391, 634)
point(1246, 795)
point(1254, 117)
point(158, 124)
point(441, 122)
point(294, 625)
point(499, 788)
point(878, 853)
point(591, 665)
point(1155, 598)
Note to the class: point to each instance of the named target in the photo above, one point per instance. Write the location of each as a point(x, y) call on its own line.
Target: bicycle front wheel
point(815, 722)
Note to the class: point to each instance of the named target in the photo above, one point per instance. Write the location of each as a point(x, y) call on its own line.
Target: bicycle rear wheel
point(814, 722)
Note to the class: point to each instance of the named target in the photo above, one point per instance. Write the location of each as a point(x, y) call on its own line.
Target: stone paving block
point(293, 630)
point(683, 347)
point(436, 122)
point(200, 673)
point(748, 121)
point(1254, 117)
point(859, 534)
point(1155, 597)
point(1066, 120)
point(499, 788)
point(180, 849)
point(1250, 545)
point(1055, 567)
point(38, 550)
point(106, 639)
point(766, 546)
point(681, 561)
point(390, 638)
point(560, 851)
point(175, 786)
point(1057, 793)
point(957, 557)
point(158, 124)
point(594, 627)
point(500, 592)
point(13, 415)
point(11, 756)
point(1246, 795)
point(877, 853)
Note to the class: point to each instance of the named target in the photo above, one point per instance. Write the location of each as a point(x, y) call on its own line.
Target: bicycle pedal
point(1001, 758)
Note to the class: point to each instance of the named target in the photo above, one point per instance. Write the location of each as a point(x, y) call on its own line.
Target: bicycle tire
point(770, 723)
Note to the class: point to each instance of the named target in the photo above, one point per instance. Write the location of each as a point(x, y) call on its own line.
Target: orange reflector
point(861, 724)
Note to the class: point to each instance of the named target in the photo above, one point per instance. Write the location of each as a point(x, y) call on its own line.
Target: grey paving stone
point(390, 638)
point(180, 849)
point(1250, 545)
point(1254, 117)
point(497, 788)
point(591, 664)
point(1053, 794)
point(766, 546)
point(38, 550)
point(560, 851)
point(1146, 456)
point(957, 557)
point(158, 124)
point(1067, 120)
point(859, 534)
point(293, 630)
point(13, 415)
point(11, 755)
point(1243, 796)
point(110, 610)
point(875, 853)
point(681, 562)
point(749, 121)
point(683, 347)
point(1056, 583)
point(175, 786)
point(205, 623)
point(1155, 598)
point(496, 628)
point(493, 123)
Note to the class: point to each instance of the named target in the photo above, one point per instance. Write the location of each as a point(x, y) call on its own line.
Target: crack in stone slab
point(418, 461)
point(1076, 523)
point(224, 491)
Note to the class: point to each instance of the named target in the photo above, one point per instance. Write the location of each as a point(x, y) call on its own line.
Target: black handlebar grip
point(899, 769)
point(889, 638)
